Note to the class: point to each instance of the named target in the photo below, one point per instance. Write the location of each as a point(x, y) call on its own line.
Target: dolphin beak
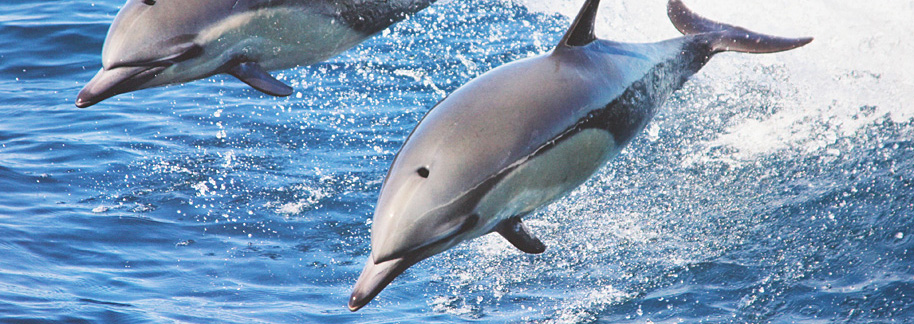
point(374, 278)
point(108, 83)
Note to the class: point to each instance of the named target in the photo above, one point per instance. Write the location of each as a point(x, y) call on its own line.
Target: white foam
point(853, 75)
point(309, 196)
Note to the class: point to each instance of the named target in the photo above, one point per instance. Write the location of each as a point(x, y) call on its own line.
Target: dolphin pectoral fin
point(255, 76)
point(519, 235)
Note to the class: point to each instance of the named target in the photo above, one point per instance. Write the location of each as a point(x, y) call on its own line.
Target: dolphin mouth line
point(110, 82)
point(182, 53)
point(471, 221)
point(378, 274)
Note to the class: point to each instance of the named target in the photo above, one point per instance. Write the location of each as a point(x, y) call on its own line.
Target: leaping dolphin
point(527, 133)
point(158, 42)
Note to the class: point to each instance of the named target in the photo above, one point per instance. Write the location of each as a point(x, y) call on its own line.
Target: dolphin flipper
point(519, 235)
point(256, 77)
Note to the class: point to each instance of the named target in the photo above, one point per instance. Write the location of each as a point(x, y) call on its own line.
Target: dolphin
point(527, 133)
point(158, 42)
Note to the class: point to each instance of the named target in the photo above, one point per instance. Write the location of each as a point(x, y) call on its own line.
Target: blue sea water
point(771, 189)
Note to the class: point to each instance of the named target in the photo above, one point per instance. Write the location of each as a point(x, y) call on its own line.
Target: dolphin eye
point(149, 2)
point(423, 172)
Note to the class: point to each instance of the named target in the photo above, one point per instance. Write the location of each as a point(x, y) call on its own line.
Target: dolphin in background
point(158, 42)
point(527, 133)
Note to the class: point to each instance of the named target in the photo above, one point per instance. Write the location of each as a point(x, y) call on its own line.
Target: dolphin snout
point(108, 83)
point(374, 278)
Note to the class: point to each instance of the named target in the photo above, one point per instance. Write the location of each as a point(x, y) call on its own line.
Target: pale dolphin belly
point(549, 175)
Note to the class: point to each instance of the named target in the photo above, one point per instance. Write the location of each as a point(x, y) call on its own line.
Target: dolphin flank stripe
point(629, 113)
point(365, 16)
point(371, 17)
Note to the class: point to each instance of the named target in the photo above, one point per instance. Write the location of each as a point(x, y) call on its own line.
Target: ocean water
point(771, 189)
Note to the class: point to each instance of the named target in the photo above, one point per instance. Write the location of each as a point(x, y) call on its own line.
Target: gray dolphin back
point(723, 37)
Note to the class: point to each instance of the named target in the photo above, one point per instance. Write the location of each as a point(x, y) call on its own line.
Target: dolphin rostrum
point(527, 133)
point(155, 43)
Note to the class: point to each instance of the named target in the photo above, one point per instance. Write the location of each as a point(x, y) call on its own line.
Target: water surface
point(772, 188)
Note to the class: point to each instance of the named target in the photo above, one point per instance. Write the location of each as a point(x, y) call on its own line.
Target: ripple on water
point(770, 189)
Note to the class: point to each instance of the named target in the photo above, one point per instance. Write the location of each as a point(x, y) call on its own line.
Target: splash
point(855, 74)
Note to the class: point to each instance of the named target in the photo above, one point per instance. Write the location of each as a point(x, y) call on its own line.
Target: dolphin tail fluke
point(727, 37)
point(581, 31)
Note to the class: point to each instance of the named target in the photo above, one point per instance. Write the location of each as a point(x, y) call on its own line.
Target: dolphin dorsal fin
point(581, 31)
